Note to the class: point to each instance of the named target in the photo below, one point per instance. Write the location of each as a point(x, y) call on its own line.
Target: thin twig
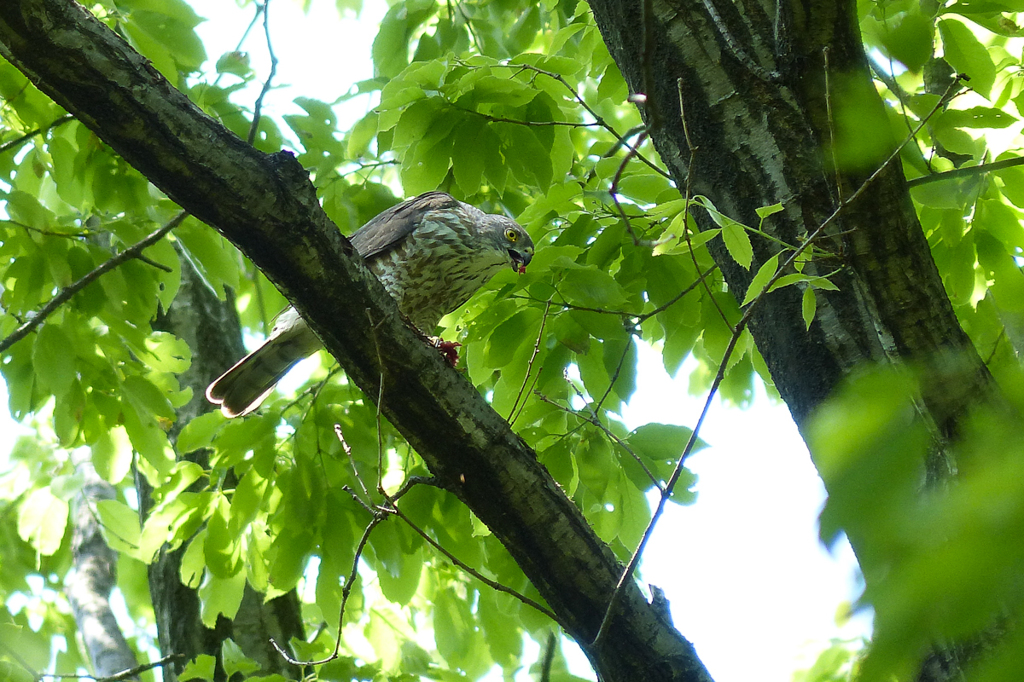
point(593, 113)
point(966, 172)
point(257, 109)
point(345, 592)
point(549, 658)
point(348, 451)
point(832, 125)
point(393, 509)
point(614, 190)
point(512, 416)
point(245, 34)
point(67, 292)
point(615, 375)
point(10, 144)
point(516, 121)
point(634, 561)
point(621, 142)
point(689, 198)
point(701, 277)
point(594, 420)
point(639, 318)
point(49, 233)
point(469, 26)
point(380, 400)
point(20, 661)
point(123, 675)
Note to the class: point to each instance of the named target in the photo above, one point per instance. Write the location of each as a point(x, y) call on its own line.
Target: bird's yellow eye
point(511, 235)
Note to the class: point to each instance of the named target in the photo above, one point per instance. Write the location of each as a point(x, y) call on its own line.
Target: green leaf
point(220, 596)
point(765, 211)
point(526, 157)
point(737, 242)
point(167, 353)
point(214, 256)
point(235, 661)
point(245, 502)
point(760, 280)
point(808, 306)
point(42, 518)
point(911, 40)
point(508, 336)
point(147, 437)
point(467, 156)
point(1007, 280)
point(975, 117)
point(734, 233)
point(53, 358)
point(199, 432)
point(120, 525)
point(112, 455)
point(200, 668)
point(1013, 184)
point(174, 31)
point(222, 549)
point(813, 280)
point(193, 561)
point(424, 169)
point(661, 445)
point(592, 288)
point(968, 55)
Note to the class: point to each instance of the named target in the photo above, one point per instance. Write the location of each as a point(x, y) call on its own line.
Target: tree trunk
point(94, 577)
point(752, 86)
point(211, 327)
point(750, 78)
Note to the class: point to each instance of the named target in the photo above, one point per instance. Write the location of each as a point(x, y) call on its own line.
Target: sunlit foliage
point(515, 107)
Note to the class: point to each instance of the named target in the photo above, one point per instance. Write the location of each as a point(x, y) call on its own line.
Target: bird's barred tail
point(244, 387)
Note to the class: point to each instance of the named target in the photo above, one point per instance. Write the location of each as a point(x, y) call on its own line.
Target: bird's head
point(510, 238)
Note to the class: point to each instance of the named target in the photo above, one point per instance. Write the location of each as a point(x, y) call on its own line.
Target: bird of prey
point(431, 253)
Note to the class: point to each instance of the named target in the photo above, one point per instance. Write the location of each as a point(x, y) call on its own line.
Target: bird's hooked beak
point(520, 259)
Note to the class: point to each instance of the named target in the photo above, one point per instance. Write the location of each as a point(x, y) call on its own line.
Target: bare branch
point(11, 144)
point(117, 677)
point(266, 85)
point(66, 293)
point(966, 172)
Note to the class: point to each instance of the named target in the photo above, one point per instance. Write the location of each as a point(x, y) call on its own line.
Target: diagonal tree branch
point(266, 205)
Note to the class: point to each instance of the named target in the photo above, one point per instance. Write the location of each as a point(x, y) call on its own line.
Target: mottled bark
point(89, 585)
point(752, 81)
point(267, 207)
point(753, 88)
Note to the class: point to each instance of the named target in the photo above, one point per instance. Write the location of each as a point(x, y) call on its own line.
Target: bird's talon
point(449, 349)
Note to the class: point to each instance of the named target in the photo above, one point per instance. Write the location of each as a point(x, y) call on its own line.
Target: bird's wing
point(391, 226)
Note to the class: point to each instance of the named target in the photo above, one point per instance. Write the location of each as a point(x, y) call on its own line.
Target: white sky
point(748, 581)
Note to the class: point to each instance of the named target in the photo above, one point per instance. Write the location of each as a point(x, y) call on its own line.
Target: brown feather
point(431, 253)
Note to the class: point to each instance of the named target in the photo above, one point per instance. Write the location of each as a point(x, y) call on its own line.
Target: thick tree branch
point(267, 207)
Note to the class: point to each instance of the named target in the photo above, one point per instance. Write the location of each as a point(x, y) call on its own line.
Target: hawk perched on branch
point(431, 253)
